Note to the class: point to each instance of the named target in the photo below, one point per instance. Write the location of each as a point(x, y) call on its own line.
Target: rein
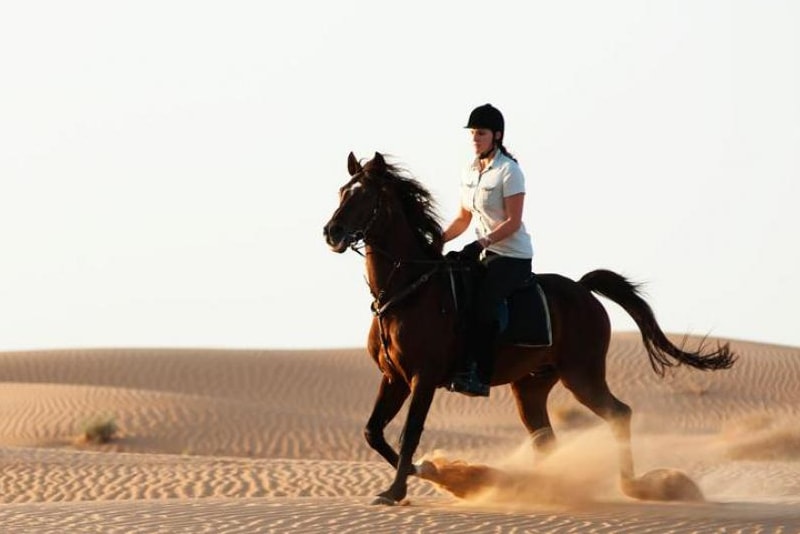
point(379, 309)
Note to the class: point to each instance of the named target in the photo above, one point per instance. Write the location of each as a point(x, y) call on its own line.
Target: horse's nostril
point(334, 232)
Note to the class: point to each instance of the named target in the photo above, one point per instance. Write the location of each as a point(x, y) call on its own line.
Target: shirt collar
point(476, 163)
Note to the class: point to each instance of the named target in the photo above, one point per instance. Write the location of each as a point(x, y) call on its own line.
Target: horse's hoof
point(425, 469)
point(663, 485)
point(384, 501)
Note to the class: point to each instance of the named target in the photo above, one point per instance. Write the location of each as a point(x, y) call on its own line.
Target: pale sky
point(166, 167)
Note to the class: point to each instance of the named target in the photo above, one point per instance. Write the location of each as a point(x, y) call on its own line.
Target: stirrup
point(468, 383)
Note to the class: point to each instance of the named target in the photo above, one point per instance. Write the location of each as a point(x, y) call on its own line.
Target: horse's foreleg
point(391, 396)
point(421, 398)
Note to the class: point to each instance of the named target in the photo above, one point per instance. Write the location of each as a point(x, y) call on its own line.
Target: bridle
point(359, 240)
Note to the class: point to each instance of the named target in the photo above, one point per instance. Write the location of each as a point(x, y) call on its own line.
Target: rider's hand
point(472, 251)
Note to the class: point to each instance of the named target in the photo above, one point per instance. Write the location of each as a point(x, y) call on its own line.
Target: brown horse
point(414, 341)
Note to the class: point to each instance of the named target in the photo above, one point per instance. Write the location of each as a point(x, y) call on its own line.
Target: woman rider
point(493, 193)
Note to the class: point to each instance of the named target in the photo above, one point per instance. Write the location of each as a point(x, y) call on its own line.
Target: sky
point(166, 167)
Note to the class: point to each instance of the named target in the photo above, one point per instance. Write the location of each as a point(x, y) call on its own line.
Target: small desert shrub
point(100, 429)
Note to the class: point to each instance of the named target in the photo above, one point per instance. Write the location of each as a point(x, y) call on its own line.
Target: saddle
point(523, 317)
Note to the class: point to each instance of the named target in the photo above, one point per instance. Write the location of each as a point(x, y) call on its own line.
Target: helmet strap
point(486, 154)
point(495, 146)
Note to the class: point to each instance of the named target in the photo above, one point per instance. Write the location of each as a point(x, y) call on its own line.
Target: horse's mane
point(417, 204)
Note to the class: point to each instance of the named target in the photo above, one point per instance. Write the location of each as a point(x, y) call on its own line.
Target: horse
point(415, 341)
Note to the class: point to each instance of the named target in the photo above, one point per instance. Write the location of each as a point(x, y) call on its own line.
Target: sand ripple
point(271, 441)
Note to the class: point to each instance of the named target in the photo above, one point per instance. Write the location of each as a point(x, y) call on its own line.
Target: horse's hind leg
point(531, 393)
point(590, 388)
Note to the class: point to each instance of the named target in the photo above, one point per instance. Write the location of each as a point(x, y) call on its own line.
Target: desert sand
point(271, 441)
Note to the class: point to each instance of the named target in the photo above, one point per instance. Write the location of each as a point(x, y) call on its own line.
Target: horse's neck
point(392, 265)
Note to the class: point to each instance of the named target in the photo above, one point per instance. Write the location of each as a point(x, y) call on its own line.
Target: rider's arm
point(513, 207)
point(459, 224)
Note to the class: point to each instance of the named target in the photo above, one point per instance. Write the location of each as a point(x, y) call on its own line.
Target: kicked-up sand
point(271, 441)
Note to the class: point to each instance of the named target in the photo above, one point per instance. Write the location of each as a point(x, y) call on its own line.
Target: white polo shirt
point(483, 194)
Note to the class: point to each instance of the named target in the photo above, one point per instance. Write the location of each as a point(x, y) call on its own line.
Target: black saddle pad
point(527, 317)
point(524, 316)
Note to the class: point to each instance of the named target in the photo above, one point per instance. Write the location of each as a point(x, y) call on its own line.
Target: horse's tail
point(617, 288)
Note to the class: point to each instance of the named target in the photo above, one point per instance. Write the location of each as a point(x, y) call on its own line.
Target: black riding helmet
point(486, 117)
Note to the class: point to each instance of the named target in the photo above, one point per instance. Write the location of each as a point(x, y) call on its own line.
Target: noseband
point(358, 237)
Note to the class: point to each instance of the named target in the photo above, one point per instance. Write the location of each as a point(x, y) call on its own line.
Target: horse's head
point(379, 203)
point(359, 203)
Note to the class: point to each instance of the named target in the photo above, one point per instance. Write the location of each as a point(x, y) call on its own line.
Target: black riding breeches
point(503, 275)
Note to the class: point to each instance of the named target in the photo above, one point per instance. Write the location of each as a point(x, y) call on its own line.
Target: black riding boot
point(475, 380)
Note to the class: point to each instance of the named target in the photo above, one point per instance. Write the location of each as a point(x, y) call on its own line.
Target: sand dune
point(271, 441)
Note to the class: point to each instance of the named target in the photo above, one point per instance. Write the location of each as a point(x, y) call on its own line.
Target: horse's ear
point(353, 166)
point(378, 164)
